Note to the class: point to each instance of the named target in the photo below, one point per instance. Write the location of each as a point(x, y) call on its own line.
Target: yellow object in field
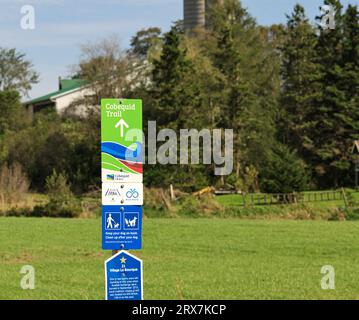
point(204, 191)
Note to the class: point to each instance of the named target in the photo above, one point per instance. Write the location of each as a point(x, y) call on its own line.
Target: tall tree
point(105, 68)
point(299, 72)
point(145, 41)
point(350, 64)
point(177, 104)
point(12, 114)
point(16, 73)
point(350, 76)
point(145, 49)
point(248, 104)
point(174, 88)
point(331, 126)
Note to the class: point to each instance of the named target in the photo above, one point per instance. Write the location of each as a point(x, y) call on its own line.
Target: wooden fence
point(293, 198)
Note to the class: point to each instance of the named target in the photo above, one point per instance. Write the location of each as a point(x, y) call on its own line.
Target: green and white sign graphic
point(121, 140)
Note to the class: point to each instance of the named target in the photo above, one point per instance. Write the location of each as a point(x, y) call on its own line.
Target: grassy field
point(185, 258)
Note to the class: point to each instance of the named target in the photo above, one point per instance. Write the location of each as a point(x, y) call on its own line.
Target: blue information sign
point(123, 277)
point(121, 227)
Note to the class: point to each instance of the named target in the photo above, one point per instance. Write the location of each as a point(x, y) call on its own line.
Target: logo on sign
point(132, 193)
point(111, 177)
point(112, 192)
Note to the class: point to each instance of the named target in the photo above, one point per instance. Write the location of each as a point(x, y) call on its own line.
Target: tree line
point(289, 92)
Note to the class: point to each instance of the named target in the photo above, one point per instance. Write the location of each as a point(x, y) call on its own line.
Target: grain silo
point(194, 14)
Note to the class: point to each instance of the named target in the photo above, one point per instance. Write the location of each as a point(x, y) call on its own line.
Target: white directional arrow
point(122, 123)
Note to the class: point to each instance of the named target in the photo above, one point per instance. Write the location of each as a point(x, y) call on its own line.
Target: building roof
point(65, 85)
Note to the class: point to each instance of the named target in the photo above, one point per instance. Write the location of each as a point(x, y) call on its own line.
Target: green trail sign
point(121, 140)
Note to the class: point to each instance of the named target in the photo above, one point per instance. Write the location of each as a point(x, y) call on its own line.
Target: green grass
point(185, 258)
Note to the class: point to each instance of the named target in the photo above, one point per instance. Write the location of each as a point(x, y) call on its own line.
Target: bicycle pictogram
point(132, 193)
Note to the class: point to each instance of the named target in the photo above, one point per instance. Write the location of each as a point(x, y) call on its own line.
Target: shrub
point(203, 207)
point(246, 182)
point(57, 187)
point(18, 212)
point(287, 212)
point(62, 202)
point(284, 172)
point(158, 199)
point(58, 210)
point(13, 183)
point(352, 214)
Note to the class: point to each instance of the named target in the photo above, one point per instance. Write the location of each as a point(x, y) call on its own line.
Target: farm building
point(69, 90)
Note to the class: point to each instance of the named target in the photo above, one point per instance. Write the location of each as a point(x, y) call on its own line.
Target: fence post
point(172, 193)
point(345, 198)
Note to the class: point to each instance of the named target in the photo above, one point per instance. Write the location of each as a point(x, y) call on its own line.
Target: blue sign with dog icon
point(121, 227)
point(123, 277)
point(132, 220)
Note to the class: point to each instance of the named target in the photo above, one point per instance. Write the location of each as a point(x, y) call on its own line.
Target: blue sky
point(63, 25)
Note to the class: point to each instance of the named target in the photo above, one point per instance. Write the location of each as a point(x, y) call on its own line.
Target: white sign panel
point(127, 194)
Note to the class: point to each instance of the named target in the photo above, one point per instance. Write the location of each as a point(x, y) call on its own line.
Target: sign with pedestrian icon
point(121, 227)
point(121, 140)
point(123, 277)
point(126, 194)
point(122, 195)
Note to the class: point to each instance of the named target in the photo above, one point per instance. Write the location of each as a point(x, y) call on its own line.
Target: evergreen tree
point(285, 172)
point(248, 104)
point(176, 102)
point(299, 73)
point(332, 124)
point(350, 66)
point(144, 41)
point(350, 78)
point(351, 51)
point(175, 90)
